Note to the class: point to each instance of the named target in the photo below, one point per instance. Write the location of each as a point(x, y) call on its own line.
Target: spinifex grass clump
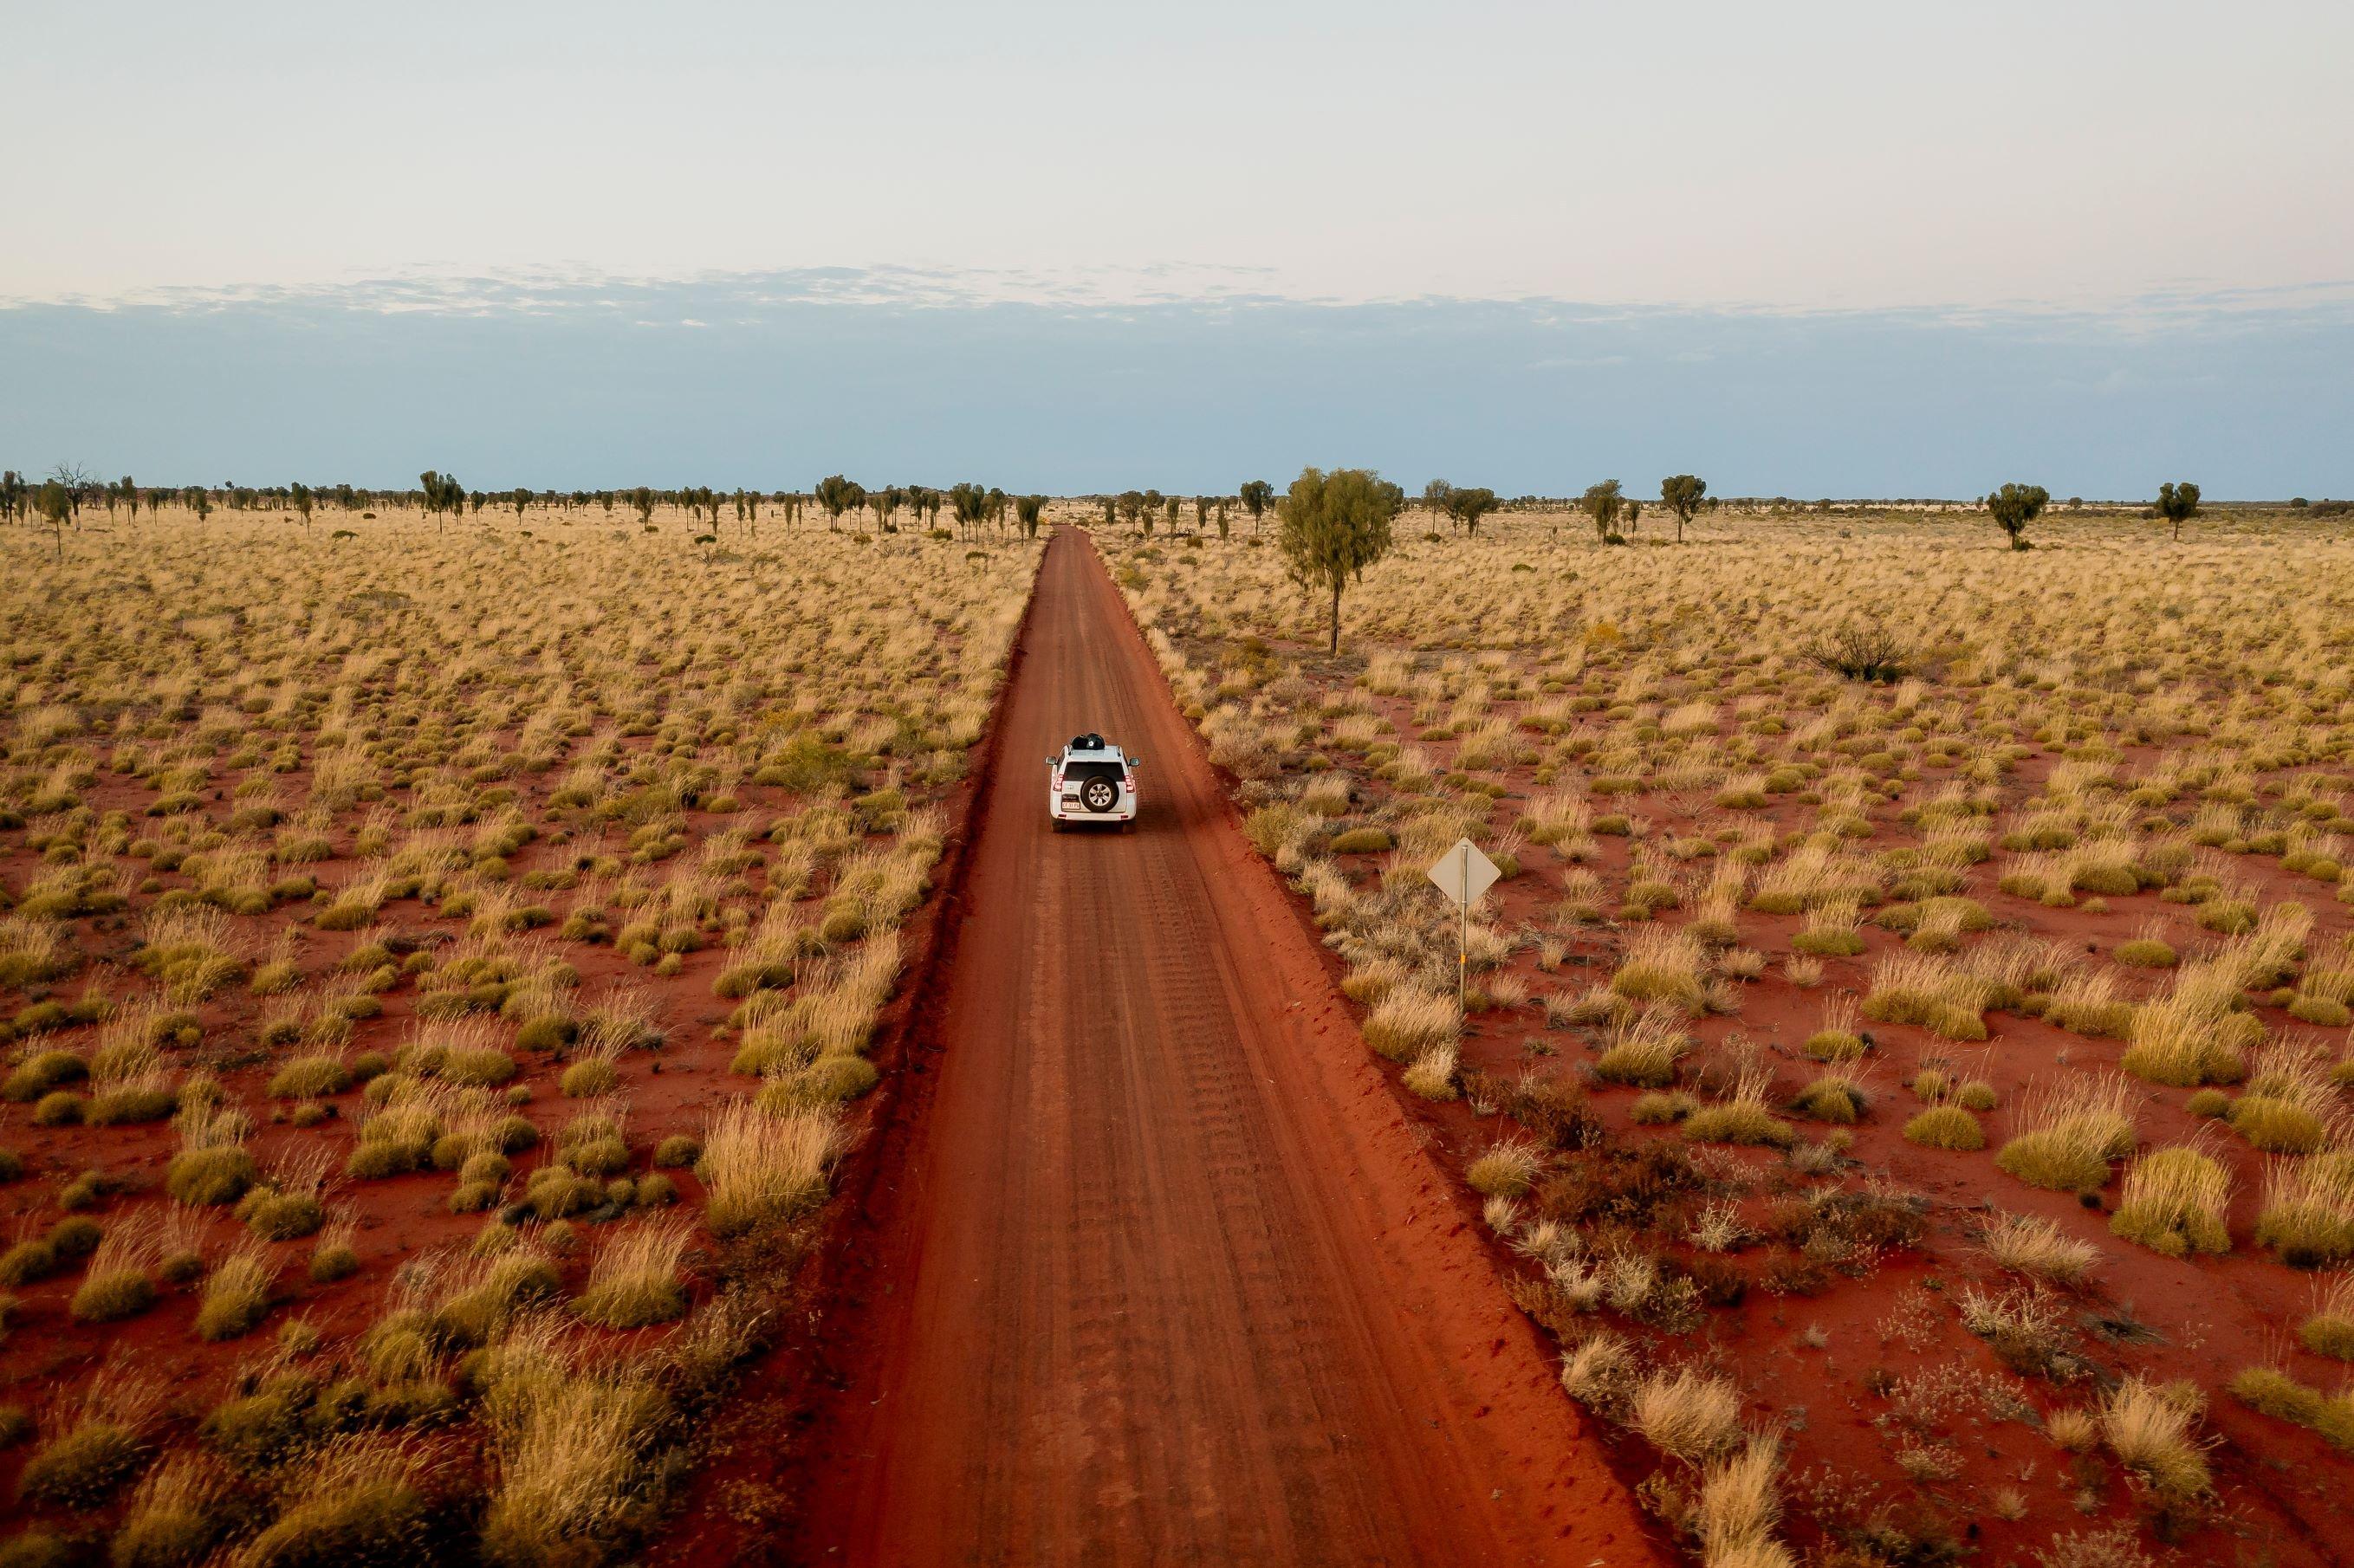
point(761, 1169)
point(2329, 1330)
point(2150, 1435)
point(119, 1281)
point(2174, 1201)
point(1944, 1126)
point(212, 1166)
point(1741, 1116)
point(236, 1292)
point(100, 1448)
point(2309, 1209)
point(2035, 1247)
point(1643, 1050)
point(1664, 965)
point(1936, 992)
point(2290, 1106)
point(1838, 1040)
point(2073, 1129)
point(1407, 1022)
point(636, 1281)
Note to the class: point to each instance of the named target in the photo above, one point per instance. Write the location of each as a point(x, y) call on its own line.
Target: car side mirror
point(1050, 762)
point(1136, 762)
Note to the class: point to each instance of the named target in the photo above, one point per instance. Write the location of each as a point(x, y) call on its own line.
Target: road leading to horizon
point(1166, 1277)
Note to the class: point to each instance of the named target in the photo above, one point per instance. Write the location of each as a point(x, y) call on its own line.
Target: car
point(1092, 781)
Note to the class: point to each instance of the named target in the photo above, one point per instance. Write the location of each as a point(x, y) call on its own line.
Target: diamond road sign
point(1463, 874)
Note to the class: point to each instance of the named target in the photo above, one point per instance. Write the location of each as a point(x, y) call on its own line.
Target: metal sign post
point(1463, 874)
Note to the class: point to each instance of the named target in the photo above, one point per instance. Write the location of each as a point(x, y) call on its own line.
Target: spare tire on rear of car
point(1099, 795)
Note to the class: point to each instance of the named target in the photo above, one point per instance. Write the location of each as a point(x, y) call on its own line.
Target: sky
point(1814, 248)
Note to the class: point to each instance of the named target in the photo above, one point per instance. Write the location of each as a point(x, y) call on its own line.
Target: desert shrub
point(1645, 1186)
point(1551, 1109)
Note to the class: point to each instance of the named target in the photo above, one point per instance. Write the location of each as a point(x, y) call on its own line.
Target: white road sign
point(1463, 874)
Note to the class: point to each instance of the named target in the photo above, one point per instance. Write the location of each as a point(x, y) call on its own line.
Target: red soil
point(1164, 1272)
point(2210, 1316)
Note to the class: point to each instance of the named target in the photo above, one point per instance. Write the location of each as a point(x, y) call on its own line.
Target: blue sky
point(1830, 246)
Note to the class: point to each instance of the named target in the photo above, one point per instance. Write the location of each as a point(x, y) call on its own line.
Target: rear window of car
point(1080, 772)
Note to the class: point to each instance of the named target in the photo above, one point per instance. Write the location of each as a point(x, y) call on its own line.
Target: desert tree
point(993, 507)
point(1027, 510)
point(1466, 506)
point(2178, 504)
point(641, 502)
point(1256, 494)
point(200, 502)
point(12, 495)
point(835, 494)
point(1331, 527)
point(1435, 496)
point(1169, 512)
point(1201, 514)
point(887, 502)
point(970, 503)
point(1602, 502)
point(522, 498)
point(298, 495)
point(442, 494)
point(54, 502)
point(1633, 513)
point(1111, 505)
point(2014, 506)
point(1132, 507)
point(1223, 531)
point(1683, 493)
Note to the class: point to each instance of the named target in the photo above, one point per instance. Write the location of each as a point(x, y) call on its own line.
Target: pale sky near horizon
point(1824, 155)
point(1812, 248)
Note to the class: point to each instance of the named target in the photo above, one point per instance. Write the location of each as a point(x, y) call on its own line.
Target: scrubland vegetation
point(1906, 1062)
point(439, 965)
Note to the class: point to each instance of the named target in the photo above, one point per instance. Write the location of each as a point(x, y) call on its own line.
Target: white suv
point(1092, 781)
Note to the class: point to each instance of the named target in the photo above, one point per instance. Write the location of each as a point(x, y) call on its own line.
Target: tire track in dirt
point(1164, 1274)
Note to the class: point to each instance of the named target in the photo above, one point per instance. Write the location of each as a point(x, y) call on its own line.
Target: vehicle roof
point(1082, 753)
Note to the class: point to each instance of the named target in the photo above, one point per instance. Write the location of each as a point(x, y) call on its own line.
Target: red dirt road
point(1165, 1274)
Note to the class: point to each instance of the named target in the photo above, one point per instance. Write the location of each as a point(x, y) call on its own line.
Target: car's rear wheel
point(1099, 796)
